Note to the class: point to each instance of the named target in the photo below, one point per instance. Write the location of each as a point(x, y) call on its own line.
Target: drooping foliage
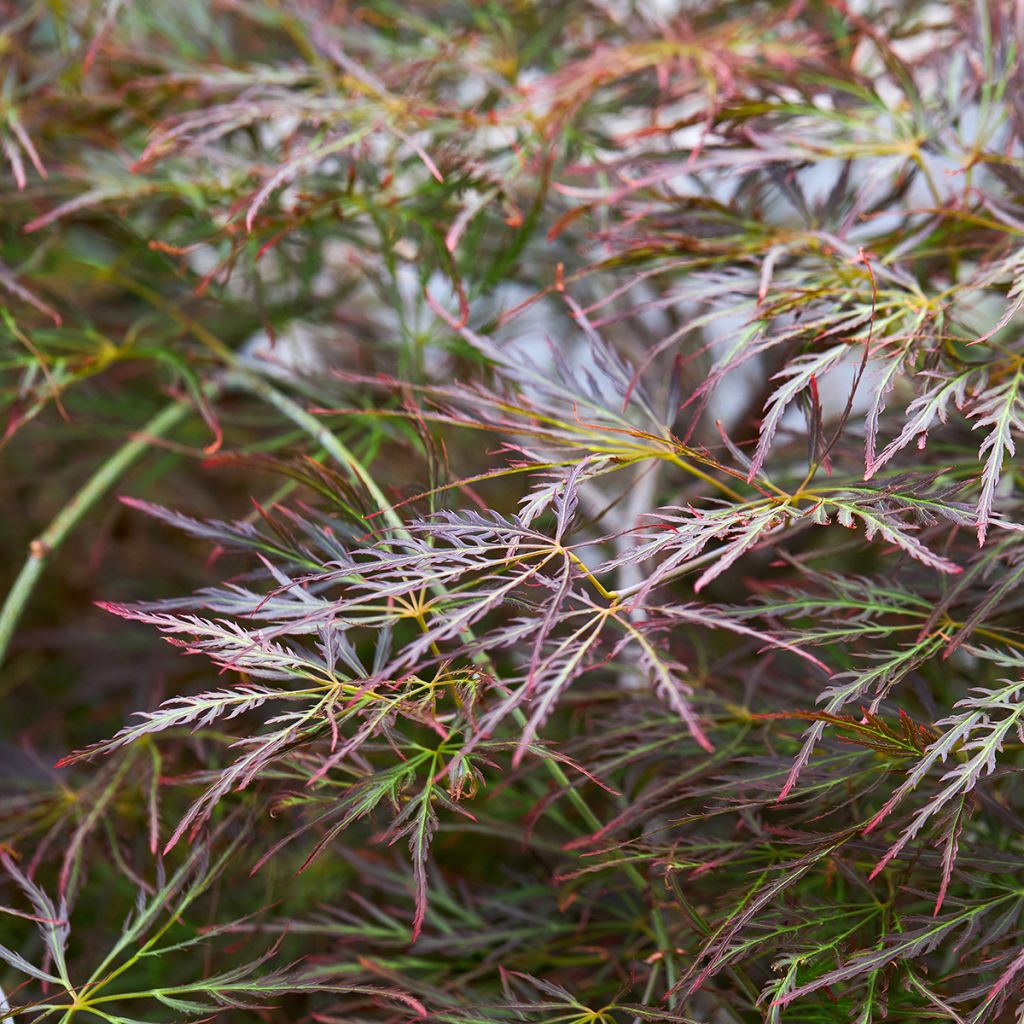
point(578, 443)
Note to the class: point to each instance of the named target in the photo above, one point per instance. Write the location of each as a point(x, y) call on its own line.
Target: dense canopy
point(570, 448)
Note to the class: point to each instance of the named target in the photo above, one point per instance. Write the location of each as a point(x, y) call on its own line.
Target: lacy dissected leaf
point(974, 734)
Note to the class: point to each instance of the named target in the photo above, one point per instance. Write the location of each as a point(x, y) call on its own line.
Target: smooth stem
point(320, 434)
point(608, 595)
point(74, 511)
point(699, 473)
